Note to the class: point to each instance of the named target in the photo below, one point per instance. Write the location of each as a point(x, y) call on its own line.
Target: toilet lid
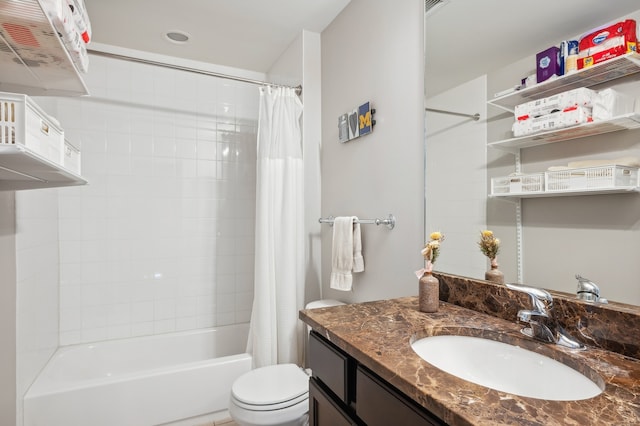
point(271, 385)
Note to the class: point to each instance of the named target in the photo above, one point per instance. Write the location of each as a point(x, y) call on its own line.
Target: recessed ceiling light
point(178, 37)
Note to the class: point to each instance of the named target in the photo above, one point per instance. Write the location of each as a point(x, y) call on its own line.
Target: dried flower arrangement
point(431, 249)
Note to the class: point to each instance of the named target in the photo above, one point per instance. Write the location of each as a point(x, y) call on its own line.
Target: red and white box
point(557, 120)
point(607, 43)
point(581, 96)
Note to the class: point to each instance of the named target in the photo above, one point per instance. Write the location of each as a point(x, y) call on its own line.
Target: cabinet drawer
point(329, 365)
point(323, 410)
point(378, 404)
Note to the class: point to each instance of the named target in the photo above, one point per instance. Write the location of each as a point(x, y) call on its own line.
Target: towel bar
point(389, 222)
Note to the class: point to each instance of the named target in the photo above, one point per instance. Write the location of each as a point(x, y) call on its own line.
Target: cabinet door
point(330, 365)
point(323, 411)
point(379, 404)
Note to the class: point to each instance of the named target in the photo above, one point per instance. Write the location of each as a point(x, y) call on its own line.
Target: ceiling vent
point(430, 6)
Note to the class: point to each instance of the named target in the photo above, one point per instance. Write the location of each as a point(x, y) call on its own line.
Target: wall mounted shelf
point(38, 63)
point(624, 122)
point(603, 72)
point(599, 74)
point(20, 168)
point(517, 196)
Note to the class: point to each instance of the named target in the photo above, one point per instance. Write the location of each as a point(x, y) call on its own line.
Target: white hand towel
point(342, 253)
point(358, 260)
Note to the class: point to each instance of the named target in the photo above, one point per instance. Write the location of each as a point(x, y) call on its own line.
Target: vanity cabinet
point(323, 407)
point(609, 72)
point(344, 392)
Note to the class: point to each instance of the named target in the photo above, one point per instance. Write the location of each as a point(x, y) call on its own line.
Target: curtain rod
point(475, 116)
point(297, 88)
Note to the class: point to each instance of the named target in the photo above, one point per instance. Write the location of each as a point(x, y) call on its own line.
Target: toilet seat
point(273, 395)
point(270, 388)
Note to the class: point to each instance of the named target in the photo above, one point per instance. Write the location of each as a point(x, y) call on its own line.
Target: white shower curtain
point(276, 334)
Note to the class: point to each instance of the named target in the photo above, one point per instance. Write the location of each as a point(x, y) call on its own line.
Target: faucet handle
point(542, 323)
point(588, 290)
point(541, 299)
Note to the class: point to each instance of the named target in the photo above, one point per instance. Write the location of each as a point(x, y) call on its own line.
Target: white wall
point(162, 237)
point(597, 236)
point(8, 312)
point(456, 182)
point(37, 272)
point(373, 51)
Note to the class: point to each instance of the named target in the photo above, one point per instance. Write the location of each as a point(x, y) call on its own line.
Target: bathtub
point(139, 381)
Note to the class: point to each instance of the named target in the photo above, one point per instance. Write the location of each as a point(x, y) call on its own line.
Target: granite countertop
point(379, 335)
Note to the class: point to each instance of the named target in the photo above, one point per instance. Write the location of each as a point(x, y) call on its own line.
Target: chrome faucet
point(588, 290)
point(542, 322)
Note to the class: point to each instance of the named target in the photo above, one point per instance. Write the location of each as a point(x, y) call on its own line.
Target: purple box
point(547, 63)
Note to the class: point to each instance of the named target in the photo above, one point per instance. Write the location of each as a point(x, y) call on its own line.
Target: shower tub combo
point(139, 381)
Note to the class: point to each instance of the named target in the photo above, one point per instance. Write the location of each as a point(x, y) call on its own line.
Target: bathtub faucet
point(541, 320)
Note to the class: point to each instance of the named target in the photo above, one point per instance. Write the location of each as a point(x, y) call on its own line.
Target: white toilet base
point(296, 415)
point(245, 397)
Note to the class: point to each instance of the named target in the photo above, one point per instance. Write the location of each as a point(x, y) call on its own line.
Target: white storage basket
point(590, 178)
point(71, 158)
point(22, 122)
point(518, 184)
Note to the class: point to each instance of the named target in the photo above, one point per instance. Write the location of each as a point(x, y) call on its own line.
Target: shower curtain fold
point(276, 335)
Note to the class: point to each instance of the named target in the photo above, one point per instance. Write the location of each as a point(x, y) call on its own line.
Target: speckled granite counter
point(379, 335)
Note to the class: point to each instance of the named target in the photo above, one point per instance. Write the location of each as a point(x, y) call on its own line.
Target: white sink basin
point(506, 368)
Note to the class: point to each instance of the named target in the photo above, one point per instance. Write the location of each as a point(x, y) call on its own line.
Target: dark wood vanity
point(365, 372)
point(343, 392)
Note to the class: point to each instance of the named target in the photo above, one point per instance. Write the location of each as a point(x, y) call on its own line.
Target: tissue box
point(547, 64)
point(568, 56)
point(610, 103)
point(607, 43)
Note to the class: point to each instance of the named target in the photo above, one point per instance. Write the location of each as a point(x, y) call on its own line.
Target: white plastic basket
point(518, 184)
point(71, 158)
point(590, 178)
point(23, 122)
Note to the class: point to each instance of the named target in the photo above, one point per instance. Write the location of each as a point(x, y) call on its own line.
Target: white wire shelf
point(20, 168)
point(566, 193)
point(603, 72)
point(38, 63)
point(624, 122)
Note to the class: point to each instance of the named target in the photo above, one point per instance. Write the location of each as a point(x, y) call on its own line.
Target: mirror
point(467, 61)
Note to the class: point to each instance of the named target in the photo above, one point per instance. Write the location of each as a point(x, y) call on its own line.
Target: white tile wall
point(37, 285)
point(162, 237)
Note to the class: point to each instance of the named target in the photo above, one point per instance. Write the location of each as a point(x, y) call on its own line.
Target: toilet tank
point(323, 303)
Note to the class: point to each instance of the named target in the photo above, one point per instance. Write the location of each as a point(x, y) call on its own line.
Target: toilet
point(276, 395)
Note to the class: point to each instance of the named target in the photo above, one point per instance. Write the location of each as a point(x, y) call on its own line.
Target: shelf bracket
point(519, 245)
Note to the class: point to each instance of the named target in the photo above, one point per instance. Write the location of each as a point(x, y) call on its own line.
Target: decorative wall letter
point(358, 122)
